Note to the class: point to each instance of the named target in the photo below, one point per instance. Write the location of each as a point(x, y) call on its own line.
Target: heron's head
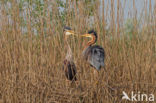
point(68, 31)
point(91, 34)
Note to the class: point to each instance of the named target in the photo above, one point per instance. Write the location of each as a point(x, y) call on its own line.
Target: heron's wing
point(86, 53)
point(73, 68)
point(70, 70)
point(96, 56)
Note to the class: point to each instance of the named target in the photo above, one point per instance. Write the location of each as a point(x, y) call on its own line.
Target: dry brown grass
point(30, 65)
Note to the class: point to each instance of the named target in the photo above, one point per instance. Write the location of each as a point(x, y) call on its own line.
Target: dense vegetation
point(32, 51)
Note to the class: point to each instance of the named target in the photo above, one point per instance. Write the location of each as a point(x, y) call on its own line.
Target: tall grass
point(32, 51)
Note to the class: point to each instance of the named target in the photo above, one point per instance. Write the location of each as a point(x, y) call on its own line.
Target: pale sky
point(129, 5)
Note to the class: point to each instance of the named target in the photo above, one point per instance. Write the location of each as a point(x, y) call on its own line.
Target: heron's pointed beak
point(86, 35)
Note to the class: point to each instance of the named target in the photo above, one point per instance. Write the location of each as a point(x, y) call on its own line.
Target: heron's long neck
point(91, 42)
point(69, 52)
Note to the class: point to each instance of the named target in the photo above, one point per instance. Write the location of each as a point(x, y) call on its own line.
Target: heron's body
point(94, 54)
point(68, 64)
point(70, 70)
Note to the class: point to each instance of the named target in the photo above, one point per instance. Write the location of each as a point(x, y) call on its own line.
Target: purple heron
point(93, 54)
point(68, 64)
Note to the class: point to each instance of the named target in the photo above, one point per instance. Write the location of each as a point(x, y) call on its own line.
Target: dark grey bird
point(93, 54)
point(68, 64)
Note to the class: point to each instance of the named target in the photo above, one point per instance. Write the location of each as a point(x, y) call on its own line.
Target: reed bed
point(32, 51)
